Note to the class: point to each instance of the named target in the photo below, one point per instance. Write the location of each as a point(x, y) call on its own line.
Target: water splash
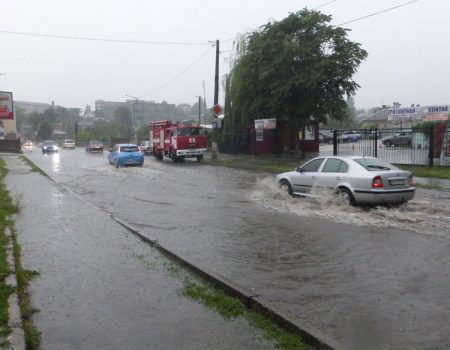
point(420, 215)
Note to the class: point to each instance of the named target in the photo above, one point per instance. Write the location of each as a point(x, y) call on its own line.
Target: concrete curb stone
point(17, 337)
point(311, 335)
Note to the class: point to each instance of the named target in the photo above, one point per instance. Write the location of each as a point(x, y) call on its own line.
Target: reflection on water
point(55, 162)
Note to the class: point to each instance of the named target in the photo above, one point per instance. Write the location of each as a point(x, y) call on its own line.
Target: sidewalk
point(99, 287)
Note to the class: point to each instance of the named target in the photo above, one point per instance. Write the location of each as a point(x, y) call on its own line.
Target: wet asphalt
point(371, 278)
point(99, 287)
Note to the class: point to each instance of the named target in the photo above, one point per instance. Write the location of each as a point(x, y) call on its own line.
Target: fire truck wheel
point(199, 158)
point(159, 156)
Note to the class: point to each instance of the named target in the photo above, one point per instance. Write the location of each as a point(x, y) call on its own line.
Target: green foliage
point(299, 69)
point(143, 133)
point(217, 300)
point(84, 136)
point(45, 129)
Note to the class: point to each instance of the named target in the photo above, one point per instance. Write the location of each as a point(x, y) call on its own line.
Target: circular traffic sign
point(217, 109)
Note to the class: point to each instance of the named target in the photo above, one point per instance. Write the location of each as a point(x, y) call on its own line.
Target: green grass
point(7, 208)
point(225, 305)
point(32, 335)
point(213, 299)
point(439, 172)
point(275, 165)
point(260, 163)
point(231, 308)
point(33, 166)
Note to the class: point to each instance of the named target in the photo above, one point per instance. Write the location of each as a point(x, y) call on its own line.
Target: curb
point(310, 335)
point(17, 337)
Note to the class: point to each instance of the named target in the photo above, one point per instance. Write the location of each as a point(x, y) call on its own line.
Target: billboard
point(6, 105)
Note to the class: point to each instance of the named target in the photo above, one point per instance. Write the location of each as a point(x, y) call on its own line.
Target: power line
point(55, 36)
point(325, 4)
point(179, 74)
point(364, 17)
point(377, 13)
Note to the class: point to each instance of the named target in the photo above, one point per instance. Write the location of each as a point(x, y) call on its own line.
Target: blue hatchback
point(126, 154)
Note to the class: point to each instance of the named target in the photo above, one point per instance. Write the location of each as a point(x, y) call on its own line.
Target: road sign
point(217, 109)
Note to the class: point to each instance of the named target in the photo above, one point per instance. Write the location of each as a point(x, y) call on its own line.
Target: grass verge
point(228, 307)
point(260, 163)
point(7, 208)
point(439, 172)
point(280, 165)
point(32, 335)
point(33, 166)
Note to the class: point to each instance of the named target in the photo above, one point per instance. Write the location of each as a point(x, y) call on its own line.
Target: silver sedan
point(357, 179)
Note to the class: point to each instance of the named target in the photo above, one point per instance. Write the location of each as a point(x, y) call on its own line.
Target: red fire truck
point(177, 140)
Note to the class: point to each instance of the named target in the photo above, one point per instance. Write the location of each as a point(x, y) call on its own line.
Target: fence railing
point(416, 146)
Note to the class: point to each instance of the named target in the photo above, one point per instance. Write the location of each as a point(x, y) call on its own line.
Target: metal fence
point(416, 146)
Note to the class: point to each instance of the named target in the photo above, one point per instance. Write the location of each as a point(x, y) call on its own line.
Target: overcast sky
point(408, 62)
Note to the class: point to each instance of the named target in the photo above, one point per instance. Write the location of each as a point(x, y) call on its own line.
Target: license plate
point(397, 182)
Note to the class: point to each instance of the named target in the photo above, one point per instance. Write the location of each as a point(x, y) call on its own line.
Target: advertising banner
point(6, 105)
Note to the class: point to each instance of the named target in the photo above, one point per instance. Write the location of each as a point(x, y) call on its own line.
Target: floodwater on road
point(370, 277)
point(99, 287)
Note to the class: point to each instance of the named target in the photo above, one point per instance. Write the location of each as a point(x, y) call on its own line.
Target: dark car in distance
point(94, 146)
point(49, 146)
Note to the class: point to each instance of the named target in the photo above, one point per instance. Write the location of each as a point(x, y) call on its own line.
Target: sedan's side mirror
point(299, 169)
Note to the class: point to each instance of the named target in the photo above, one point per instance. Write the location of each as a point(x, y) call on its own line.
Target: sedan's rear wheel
point(388, 144)
point(285, 186)
point(346, 196)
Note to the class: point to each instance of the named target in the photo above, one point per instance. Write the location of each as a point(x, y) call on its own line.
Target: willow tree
point(297, 70)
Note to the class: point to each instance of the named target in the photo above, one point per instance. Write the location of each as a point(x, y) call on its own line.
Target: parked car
point(94, 146)
point(125, 154)
point(356, 179)
point(348, 136)
point(146, 147)
point(49, 146)
point(69, 144)
point(400, 139)
point(325, 138)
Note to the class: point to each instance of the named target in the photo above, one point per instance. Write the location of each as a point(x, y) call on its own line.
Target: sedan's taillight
point(377, 182)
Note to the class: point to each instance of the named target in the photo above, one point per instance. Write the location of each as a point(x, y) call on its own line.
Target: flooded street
point(374, 278)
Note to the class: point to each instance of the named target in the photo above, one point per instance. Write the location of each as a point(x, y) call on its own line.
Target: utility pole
point(216, 101)
point(199, 110)
point(136, 99)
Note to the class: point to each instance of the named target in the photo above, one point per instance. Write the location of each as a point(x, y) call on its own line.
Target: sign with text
point(6, 105)
point(261, 124)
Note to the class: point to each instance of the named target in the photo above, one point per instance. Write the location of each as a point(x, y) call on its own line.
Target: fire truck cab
point(177, 141)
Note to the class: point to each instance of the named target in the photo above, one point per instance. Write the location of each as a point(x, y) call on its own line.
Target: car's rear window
point(129, 149)
point(374, 164)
